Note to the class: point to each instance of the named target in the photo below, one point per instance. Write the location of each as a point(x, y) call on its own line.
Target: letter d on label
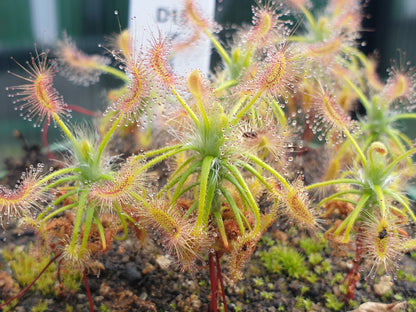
point(148, 18)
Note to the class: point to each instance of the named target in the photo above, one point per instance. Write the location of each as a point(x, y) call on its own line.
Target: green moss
point(387, 295)
point(284, 259)
point(398, 297)
point(337, 279)
point(26, 267)
point(352, 304)
point(311, 277)
point(315, 258)
point(104, 308)
point(400, 274)
point(326, 266)
point(410, 277)
point(332, 302)
point(40, 307)
point(238, 309)
point(69, 308)
point(302, 303)
point(344, 288)
point(406, 276)
point(304, 289)
point(10, 306)
point(313, 244)
point(323, 269)
point(241, 291)
point(267, 241)
point(267, 295)
point(71, 281)
point(411, 304)
point(258, 282)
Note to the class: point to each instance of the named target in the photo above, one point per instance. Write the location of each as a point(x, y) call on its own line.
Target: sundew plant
point(229, 141)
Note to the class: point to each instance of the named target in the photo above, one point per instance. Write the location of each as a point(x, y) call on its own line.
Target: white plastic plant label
point(148, 18)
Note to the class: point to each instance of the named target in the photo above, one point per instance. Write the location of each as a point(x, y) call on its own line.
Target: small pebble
point(383, 286)
point(81, 296)
point(143, 296)
point(163, 262)
point(148, 268)
point(131, 273)
point(104, 289)
point(98, 299)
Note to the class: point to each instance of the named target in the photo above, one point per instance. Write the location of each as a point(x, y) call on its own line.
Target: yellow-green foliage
point(104, 308)
point(69, 308)
point(411, 304)
point(258, 281)
point(332, 302)
point(10, 306)
point(279, 259)
point(313, 244)
point(302, 303)
point(71, 281)
point(315, 258)
point(40, 307)
point(266, 295)
point(26, 267)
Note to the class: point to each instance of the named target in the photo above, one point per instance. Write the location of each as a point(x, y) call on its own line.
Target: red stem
point(219, 277)
point(214, 283)
point(83, 110)
point(353, 275)
point(59, 273)
point(31, 284)
point(87, 288)
point(59, 276)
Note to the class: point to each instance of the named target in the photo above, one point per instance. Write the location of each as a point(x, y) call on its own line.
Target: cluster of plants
point(231, 144)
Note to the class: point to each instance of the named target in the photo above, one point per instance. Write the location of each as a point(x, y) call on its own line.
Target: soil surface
point(140, 276)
